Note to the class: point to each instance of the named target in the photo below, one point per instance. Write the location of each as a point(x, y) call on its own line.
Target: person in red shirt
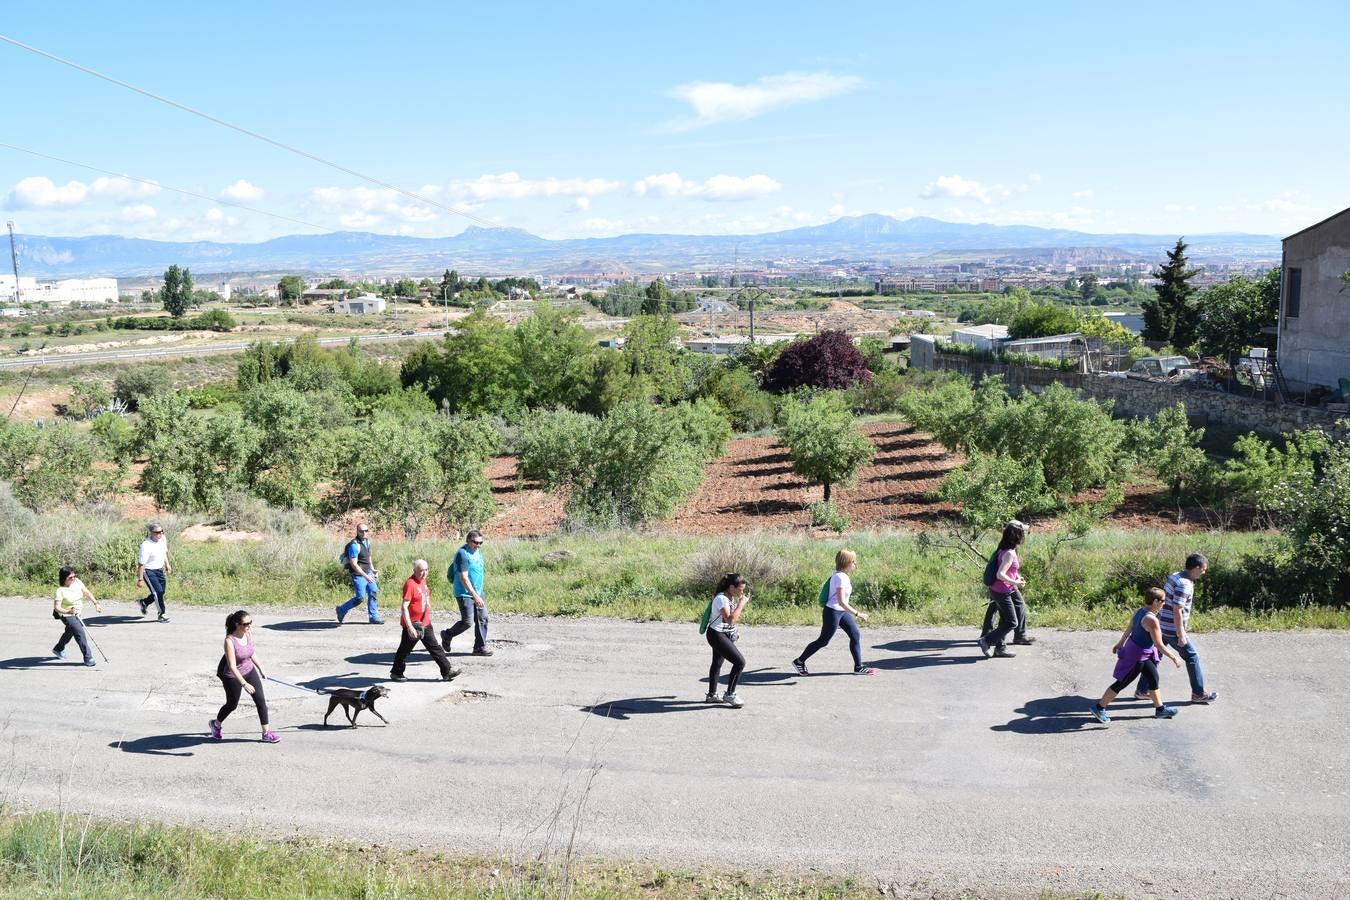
point(415, 621)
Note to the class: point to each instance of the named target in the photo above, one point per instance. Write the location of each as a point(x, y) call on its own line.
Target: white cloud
point(359, 220)
point(962, 188)
point(121, 188)
point(602, 226)
point(138, 212)
point(214, 215)
point(40, 192)
point(1086, 194)
point(720, 101)
point(581, 204)
point(510, 186)
point(718, 187)
point(243, 192)
point(1282, 203)
point(1178, 208)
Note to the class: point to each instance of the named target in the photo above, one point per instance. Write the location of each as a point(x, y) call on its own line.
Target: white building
point(981, 337)
point(70, 290)
point(725, 346)
point(364, 305)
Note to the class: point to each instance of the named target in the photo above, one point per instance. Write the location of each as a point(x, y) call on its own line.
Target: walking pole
point(91, 637)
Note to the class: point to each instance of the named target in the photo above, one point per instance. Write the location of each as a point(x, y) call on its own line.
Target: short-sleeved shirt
point(70, 599)
point(721, 611)
point(153, 554)
point(1180, 592)
point(418, 597)
point(1007, 587)
point(359, 550)
point(841, 588)
point(470, 561)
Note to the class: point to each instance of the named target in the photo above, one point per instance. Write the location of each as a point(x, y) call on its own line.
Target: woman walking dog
point(240, 670)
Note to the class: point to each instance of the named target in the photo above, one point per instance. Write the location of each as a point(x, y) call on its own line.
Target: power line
point(245, 131)
point(221, 201)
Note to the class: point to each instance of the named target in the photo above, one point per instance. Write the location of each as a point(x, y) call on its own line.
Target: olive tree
point(820, 437)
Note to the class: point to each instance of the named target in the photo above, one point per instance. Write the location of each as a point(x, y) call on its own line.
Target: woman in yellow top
point(70, 596)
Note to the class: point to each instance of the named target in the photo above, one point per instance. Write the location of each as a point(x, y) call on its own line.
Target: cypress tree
point(1171, 316)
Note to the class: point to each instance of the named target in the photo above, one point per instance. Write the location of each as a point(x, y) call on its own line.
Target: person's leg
point(737, 660)
point(480, 621)
point(405, 645)
point(990, 610)
point(372, 591)
point(464, 624)
point(1148, 681)
point(714, 670)
point(1020, 609)
point(1007, 620)
point(1191, 657)
point(850, 627)
point(829, 623)
point(154, 580)
point(66, 635)
point(81, 637)
point(355, 598)
point(436, 650)
point(233, 690)
point(1119, 685)
point(259, 699)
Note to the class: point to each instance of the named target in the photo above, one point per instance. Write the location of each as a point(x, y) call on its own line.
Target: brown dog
point(353, 701)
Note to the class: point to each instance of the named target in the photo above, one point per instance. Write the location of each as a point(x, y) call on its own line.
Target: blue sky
point(592, 119)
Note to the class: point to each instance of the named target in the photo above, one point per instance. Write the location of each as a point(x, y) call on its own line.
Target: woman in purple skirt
point(1138, 651)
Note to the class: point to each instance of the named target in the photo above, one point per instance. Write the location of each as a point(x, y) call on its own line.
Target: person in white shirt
point(723, 614)
point(152, 566)
point(837, 613)
point(70, 596)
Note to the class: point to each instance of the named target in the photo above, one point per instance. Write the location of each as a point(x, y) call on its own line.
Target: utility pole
point(14, 258)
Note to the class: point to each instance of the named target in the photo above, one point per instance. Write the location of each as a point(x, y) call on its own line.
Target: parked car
point(1161, 367)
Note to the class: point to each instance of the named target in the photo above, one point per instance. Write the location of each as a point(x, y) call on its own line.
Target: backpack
point(703, 621)
point(991, 570)
point(824, 597)
point(343, 560)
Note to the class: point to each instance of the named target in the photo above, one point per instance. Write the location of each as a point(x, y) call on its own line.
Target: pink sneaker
point(214, 727)
point(864, 670)
point(270, 737)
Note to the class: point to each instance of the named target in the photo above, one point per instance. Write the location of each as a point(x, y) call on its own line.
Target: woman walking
point(838, 613)
point(240, 670)
point(723, 614)
point(70, 596)
point(1005, 595)
point(1138, 651)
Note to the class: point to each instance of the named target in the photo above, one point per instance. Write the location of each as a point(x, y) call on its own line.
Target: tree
point(1088, 289)
point(1175, 455)
point(176, 294)
point(1042, 320)
point(290, 288)
point(1233, 314)
point(828, 361)
point(656, 300)
point(133, 386)
point(825, 447)
point(555, 355)
point(476, 371)
point(405, 287)
point(1170, 315)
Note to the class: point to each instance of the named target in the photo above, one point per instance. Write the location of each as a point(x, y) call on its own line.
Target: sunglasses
point(246, 624)
point(475, 543)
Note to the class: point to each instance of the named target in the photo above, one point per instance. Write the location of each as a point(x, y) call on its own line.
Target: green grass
point(668, 577)
point(43, 855)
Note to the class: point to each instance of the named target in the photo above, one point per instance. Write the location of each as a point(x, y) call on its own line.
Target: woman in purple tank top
point(240, 671)
point(1137, 654)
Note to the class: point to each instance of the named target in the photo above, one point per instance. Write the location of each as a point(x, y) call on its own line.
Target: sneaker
point(340, 614)
point(448, 676)
point(214, 727)
point(398, 678)
point(712, 698)
point(1205, 698)
point(1141, 694)
point(864, 670)
point(1100, 714)
point(445, 639)
point(1004, 653)
point(90, 662)
point(800, 667)
point(270, 737)
point(1024, 640)
point(984, 646)
point(144, 607)
point(730, 699)
point(1164, 712)
point(162, 619)
point(59, 654)
point(377, 621)
point(483, 651)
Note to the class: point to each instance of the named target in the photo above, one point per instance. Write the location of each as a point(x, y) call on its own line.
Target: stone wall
point(1136, 398)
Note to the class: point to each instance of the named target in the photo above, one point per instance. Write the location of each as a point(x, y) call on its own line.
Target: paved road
point(72, 359)
point(945, 772)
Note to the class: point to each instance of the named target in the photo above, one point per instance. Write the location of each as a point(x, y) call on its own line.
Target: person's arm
point(88, 595)
point(1124, 636)
point(1178, 620)
point(405, 618)
point(140, 573)
point(234, 665)
point(849, 608)
point(257, 664)
point(1155, 631)
point(354, 562)
point(1005, 561)
point(168, 566)
point(733, 614)
point(468, 585)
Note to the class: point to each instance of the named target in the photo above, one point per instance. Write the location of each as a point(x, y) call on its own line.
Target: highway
point(74, 359)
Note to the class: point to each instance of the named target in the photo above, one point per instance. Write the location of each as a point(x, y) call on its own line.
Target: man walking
point(356, 556)
point(1175, 618)
point(152, 567)
point(466, 580)
point(415, 620)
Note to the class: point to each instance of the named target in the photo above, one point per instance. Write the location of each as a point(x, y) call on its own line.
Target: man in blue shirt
point(466, 580)
point(356, 556)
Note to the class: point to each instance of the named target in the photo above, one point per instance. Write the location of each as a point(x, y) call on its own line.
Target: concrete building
point(364, 305)
point(323, 295)
point(981, 337)
point(1313, 334)
point(725, 346)
point(62, 292)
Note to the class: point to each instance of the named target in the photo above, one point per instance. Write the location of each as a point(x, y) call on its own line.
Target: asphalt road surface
point(946, 772)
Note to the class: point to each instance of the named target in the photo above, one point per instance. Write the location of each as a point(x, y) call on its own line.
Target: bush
point(747, 406)
point(88, 399)
point(15, 518)
point(825, 514)
point(827, 361)
point(140, 382)
point(554, 447)
point(705, 427)
point(762, 567)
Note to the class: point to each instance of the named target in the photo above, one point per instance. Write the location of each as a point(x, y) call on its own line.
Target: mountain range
point(868, 238)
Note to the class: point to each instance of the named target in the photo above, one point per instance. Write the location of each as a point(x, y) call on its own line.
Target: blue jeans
point(363, 589)
point(470, 616)
point(831, 620)
point(1191, 657)
point(74, 629)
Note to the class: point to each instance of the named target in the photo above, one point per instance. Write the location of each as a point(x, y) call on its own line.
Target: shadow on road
point(304, 625)
point(350, 680)
point(764, 676)
point(40, 662)
point(643, 706)
point(382, 658)
point(924, 652)
point(170, 744)
point(1061, 715)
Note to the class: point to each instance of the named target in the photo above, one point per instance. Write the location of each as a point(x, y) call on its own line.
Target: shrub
point(140, 382)
point(825, 447)
point(825, 514)
point(554, 446)
point(1174, 454)
point(762, 566)
point(990, 489)
point(827, 361)
point(747, 406)
point(15, 518)
point(705, 427)
point(88, 399)
point(1316, 511)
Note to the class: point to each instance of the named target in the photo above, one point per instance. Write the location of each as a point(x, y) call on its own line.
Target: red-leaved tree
point(829, 361)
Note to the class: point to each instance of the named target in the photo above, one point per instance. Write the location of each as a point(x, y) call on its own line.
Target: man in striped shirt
point(1175, 618)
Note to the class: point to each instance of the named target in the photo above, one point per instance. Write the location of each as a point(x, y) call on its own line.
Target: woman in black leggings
point(727, 606)
point(1138, 652)
point(240, 671)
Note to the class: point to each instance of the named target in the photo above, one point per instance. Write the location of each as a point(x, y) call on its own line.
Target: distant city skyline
point(697, 119)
